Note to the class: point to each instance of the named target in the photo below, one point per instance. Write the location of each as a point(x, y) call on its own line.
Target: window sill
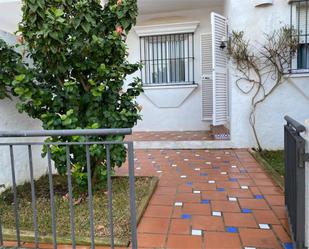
point(301, 73)
point(169, 86)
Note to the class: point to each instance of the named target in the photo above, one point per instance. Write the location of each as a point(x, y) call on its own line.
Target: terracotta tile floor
point(171, 136)
point(179, 136)
point(217, 199)
point(210, 199)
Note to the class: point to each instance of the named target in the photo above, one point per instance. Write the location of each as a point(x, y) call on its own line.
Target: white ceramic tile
point(211, 181)
point(196, 232)
point(223, 173)
point(197, 169)
point(218, 157)
point(209, 163)
point(244, 187)
point(232, 199)
point(234, 166)
point(264, 226)
point(178, 204)
point(159, 171)
point(215, 213)
point(186, 159)
point(183, 176)
point(196, 191)
point(174, 165)
point(138, 168)
point(246, 247)
point(197, 155)
point(153, 162)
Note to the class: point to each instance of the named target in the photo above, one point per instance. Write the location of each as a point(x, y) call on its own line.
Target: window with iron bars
point(300, 22)
point(167, 59)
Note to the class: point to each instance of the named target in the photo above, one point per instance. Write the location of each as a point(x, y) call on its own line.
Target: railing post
point(306, 137)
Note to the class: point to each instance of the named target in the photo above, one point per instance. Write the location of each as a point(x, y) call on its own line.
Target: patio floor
point(219, 133)
point(216, 199)
point(210, 199)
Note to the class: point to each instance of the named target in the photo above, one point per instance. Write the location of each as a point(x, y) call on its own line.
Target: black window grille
point(300, 22)
point(167, 59)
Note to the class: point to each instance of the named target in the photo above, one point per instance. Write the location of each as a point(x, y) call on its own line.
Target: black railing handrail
point(80, 132)
point(296, 125)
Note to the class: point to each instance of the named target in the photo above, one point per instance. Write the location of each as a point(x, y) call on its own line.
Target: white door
point(219, 73)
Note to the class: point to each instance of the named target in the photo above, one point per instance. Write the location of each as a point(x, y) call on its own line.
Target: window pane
point(300, 22)
point(303, 56)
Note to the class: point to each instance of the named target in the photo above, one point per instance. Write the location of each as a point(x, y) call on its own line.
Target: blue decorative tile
point(203, 174)
point(220, 189)
point(205, 201)
point(243, 171)
point(186, 216)
point(226, 161)
point(216, 167)
point(288, 246)
point(259, 197)
point(246, 210)
point(233, 179)
point(189, 183)
point(231, 229)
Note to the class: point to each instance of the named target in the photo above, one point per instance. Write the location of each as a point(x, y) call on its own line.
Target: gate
point(295, 186)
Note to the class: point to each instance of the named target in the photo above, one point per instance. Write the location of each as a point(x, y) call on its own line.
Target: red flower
point(119, 29)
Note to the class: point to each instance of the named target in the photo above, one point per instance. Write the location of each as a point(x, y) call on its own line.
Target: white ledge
point(156, 87)
point(165, 29)
point(262, 3)
point(299, 73)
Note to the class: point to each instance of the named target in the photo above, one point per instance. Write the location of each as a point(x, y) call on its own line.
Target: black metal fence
point(295, 185)
point(106, 144)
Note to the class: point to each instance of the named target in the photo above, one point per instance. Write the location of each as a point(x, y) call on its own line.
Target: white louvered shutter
point(206, 69)
point(219, 61)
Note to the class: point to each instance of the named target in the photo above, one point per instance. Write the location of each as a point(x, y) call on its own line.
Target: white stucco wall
point(292, 98)
point(11, 120)
point(187, 116)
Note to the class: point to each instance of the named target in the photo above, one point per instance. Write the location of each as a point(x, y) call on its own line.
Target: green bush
point(76, 76)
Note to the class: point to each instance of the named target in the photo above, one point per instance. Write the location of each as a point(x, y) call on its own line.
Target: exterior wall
point(292, 98)
point(188, 114)
point(12, 120)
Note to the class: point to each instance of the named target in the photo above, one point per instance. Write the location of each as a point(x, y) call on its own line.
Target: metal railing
point(87, 144)
point(295, 185)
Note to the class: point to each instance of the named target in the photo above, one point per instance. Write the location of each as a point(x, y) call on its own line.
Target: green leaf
point(58, 12)
point(86, 27)
point(20, 77)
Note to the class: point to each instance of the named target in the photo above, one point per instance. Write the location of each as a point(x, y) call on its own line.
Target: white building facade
point(189, 83)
